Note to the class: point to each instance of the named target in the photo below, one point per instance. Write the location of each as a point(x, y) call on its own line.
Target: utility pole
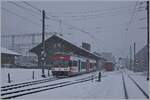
point(147, 39)
point(130, 57)
point(127, 62)
point(33, 40)
point(13, 42)
point(134, 57)
point(43, 54)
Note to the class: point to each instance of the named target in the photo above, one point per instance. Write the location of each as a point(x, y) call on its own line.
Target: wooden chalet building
point(56, 44)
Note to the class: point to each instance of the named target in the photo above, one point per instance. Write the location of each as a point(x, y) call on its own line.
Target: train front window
point(60, 63)
point(70, 63)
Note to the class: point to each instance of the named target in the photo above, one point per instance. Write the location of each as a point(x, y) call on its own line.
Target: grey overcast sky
point(106, 22)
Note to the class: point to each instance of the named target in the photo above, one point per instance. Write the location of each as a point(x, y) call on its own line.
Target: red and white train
point(69, 65)
point(108, 65)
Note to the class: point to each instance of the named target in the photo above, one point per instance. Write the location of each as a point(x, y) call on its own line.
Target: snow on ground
point(109, 87)
point(54, 82)
point(132, 90)
point(141, 79)
point(20, 75)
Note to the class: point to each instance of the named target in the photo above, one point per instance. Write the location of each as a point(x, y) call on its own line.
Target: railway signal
point(9, 78)
point(99, 76)
point(33, 75)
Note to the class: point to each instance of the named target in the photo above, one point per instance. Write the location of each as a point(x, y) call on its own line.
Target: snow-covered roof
point(69, 41)
point(75, 45)
point(7, 51)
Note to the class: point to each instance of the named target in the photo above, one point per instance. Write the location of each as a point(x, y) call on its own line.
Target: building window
point(55, 45)
point(58, 45)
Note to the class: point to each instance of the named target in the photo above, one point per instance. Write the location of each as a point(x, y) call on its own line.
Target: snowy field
point(20, 75)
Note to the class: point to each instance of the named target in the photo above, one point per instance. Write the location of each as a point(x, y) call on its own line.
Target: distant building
point(101, 61)
point(27, 61)
point(97, 53)
point(8, 57)
point(141, 62)
point(123, 63)
point(86, 46)
point(108, 56)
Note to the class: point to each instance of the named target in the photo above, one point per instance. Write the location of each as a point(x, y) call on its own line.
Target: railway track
point(135, 83)
point(124, 87)
point(22, 92)
point(145, 94)
point(25, 84)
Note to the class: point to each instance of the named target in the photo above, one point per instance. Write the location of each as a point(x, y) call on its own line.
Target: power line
point(22, 17)
point(79, 29)
point(58, 20)
point(99, 14)
point(133, 13)
point(27, 34)
point(39, 10)
point(91, 17)
point(22, 7)
point(101, 27)
point(141, 19)
point(72, 27)
point(93, 11)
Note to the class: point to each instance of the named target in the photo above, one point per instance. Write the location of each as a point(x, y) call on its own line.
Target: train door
point(87, 65)
point(79, 65)
point(74, 67)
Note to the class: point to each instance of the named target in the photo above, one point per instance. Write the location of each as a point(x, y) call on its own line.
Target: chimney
point(86, 46)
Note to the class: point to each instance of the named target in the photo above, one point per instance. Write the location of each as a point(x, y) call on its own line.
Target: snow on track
point(110, 87)
point(104, 89)
point(142, 82)
point(132, 90)
point(43, 86)
point(15, 94)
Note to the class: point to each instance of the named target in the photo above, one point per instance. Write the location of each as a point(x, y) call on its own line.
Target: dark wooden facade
point(57, 44)
point(7, 59)
point(141, 62)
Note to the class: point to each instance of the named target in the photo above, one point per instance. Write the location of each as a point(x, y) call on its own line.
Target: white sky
point(108, 26)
